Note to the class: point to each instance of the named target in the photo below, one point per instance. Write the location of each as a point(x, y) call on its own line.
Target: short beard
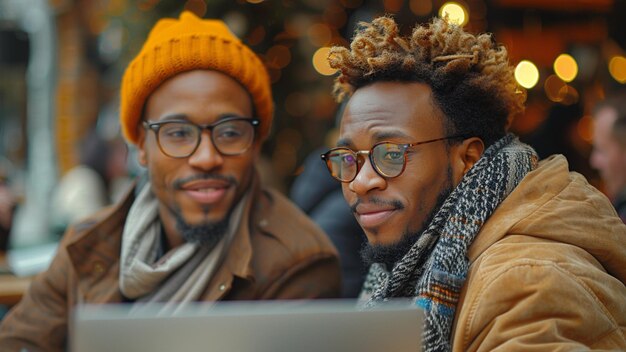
point(390, 254)
point(206, 234)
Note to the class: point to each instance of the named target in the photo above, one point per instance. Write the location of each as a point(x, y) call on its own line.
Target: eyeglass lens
point(180, 139)
point(387, 159)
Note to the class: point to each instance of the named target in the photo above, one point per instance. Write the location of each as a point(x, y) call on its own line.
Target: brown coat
point(548, 270)
point(282, 255)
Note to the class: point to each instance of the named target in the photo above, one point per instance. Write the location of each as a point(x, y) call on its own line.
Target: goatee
point(206, 234)
point(390, 254)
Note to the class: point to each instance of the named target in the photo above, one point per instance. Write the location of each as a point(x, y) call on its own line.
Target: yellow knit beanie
point(188, 43)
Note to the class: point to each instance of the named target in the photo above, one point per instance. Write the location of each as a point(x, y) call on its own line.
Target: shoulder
point(527, 290)
point(284, 224)
point(100, 224)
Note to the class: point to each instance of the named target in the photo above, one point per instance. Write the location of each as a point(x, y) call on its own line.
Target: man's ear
point(142, 156)
point(465, 155)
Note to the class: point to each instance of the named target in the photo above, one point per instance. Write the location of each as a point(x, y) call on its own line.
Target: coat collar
point(536, 189)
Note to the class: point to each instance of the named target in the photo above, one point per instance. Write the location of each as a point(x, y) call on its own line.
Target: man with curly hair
point(501, 250)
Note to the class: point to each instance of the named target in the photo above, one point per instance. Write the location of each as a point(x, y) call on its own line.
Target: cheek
point(348, 195)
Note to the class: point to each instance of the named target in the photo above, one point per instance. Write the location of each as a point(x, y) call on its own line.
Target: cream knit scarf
point(182, 274)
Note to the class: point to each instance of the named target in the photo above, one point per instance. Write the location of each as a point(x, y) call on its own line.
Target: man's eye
point(229, 133)
point(177, 132)
point(349, 159)
point(393, 155)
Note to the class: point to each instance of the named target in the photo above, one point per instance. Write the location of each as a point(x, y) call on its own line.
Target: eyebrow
point(185, 117)
point(377, 137)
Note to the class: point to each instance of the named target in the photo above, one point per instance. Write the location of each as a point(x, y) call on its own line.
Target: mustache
point(178, 184)
point(377, 201)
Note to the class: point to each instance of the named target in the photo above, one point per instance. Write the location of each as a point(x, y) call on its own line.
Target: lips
point(206, 191)
point(370, 216)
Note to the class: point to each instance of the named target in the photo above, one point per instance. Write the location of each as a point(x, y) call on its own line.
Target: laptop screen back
point(249, 327)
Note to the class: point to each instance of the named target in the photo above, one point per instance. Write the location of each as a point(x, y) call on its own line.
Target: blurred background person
point(320, 197)
point(98, 180)
point(8, 202)
point(609, 149)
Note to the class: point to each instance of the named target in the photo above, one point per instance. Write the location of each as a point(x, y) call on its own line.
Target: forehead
point(199, 92)
point(388, 110)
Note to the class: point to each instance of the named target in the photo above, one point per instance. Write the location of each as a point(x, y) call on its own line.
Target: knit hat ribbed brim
point(189, 43)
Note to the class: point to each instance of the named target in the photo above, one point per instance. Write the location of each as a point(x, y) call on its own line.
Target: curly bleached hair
point(470, 76)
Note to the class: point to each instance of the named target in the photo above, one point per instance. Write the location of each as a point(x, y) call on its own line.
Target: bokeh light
point(393, 6)
point(278, 56)
point(320, 62)
point(585, 128)
point(298, 104)
point(256, 36)
point(566, 67)
point(335, 16)
point(319, 34)
point(198, 7)
point(455, 13)
point(569, 95)
point(526, 74)
point(147, 5)
point(351, 4)
point(552, 87)
point(421, 7)
point(617, 68)
point(255, 1)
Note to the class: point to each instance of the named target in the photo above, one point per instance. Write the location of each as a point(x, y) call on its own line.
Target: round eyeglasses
point(388, 159)
point(180, 139)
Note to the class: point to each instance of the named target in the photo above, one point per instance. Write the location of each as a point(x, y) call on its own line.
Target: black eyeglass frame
point(404, 146)
point(156, 126)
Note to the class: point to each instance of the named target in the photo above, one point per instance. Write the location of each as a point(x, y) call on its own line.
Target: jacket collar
point(536, 189)
point(94, 251)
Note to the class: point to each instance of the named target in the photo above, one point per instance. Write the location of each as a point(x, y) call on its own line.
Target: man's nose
point(206, 156)
point(367, 179)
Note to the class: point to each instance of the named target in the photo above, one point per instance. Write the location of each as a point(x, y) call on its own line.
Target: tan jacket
point(547, 270)
point(283, 255)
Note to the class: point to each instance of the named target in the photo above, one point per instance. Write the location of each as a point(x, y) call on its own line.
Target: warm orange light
point(351, 4)
point(566, 67)
point(421, 7)
point(297, 104)
point(255, 1)
point(569, 95)
point(278, 56)
point(320, 62)
point(393, 5)
point(526, 74)
point(585, 128)
point(319, 34)
point(553, 86)
point(455, 13)
point(617, 68)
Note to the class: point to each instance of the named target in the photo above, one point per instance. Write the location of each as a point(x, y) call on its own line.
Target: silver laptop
point(288, 326)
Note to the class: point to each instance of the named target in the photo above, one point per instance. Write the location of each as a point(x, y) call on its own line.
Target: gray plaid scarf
point(435, 268)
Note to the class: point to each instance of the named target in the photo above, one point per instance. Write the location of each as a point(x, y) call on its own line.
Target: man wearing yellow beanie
point(197, 104)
